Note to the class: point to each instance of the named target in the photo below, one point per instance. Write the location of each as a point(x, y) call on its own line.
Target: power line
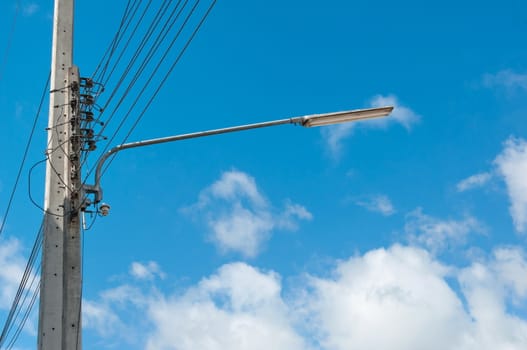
point(129, 67)
point(20, 304)
point(34, 294)
point(115, 43)
point(127, 18)
point(29, 189)
point(161, 61)
point(172, 19)
point(24, 157)
point(111, 47)
point(174, 64)
point(134, 31)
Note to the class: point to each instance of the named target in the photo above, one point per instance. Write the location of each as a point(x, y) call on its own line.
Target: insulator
point(87, 99)
point(88, 116)
point(87, 83)
point(92, 146)
point(88, 133)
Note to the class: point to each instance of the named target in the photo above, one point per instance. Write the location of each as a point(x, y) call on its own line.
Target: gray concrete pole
point(60, 290)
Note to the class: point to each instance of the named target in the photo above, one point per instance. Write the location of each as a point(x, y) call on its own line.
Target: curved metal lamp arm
point(306, 121)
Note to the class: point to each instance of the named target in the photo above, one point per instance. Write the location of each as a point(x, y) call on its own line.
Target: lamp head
point(345, 116)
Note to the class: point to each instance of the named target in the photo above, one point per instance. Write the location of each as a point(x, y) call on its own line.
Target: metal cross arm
point(305, 121)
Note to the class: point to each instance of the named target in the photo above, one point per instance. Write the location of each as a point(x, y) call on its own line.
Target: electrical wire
point(27, 313)
point(127, 18)
point(140, 70)
point(24, 157)
point(29, 189)
point(154, 48)
point(19, 304)
point(160, 13)
point(174, 64)
point(145, 39)
point(111, 47)
point(126, 45)
point(160, 85)
point(52, 167)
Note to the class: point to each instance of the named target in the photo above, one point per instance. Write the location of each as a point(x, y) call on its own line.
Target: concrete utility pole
point(60, 291)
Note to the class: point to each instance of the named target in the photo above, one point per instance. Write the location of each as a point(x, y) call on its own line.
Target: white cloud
point(398, 298)
point(30, 9)
point(507, 79)
point(512, 165)
point(387, 299)
point(118, 314)
point(238, 215)
point(147, 271)
point(436, 234)
point(334, 135)
point(12, 267)
point(101, 318)
point(288, 219)
point(488, 287)
point(238, 308)
point(394, 298)
point(378, 203)
point(511, 268)
point(474, 181)
point(241, 230)
point(236, 184)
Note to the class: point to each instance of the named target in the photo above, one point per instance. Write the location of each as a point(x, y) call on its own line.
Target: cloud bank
point(400, 297)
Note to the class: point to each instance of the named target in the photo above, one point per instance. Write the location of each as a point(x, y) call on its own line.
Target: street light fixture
point(308, 121)
point(346, 116)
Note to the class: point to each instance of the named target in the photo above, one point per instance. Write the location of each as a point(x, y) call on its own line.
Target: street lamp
point(307, 121)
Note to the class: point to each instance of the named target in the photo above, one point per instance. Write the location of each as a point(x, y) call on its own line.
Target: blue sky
point(405, 233)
